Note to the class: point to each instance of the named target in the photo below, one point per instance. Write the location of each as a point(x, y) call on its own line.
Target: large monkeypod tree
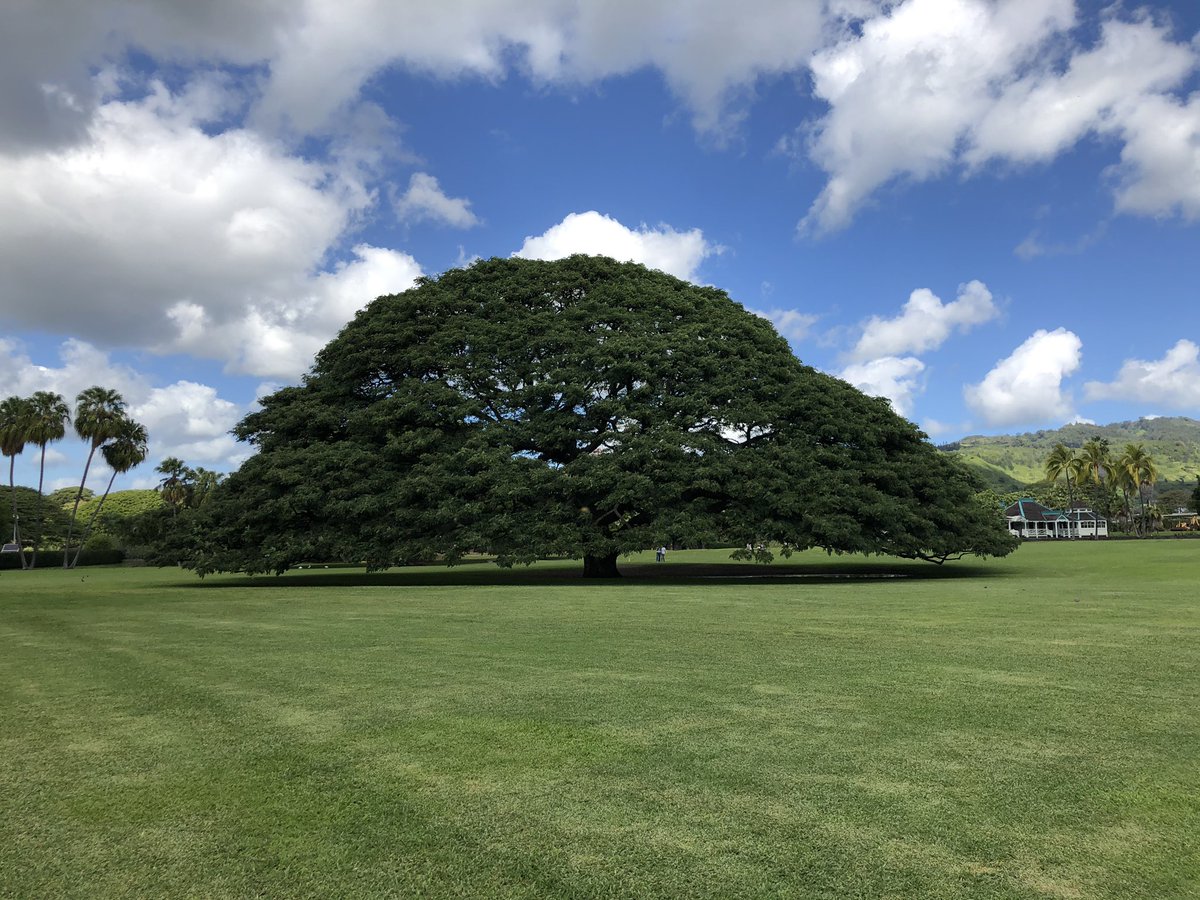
point(580, 407)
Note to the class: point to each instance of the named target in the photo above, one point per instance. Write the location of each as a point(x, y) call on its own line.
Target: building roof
point(1030, 510)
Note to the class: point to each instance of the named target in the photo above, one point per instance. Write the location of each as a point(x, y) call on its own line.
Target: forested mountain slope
point(1013, 460)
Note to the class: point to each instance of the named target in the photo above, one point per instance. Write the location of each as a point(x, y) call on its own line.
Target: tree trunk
point(75, 512)
point(12, 492)
point(1071, 526)
point(40, 526)
point(600, 566)
point(92, 521)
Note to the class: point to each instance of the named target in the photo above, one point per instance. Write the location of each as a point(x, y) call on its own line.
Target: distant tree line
point(99, 419)
point(1109, 482)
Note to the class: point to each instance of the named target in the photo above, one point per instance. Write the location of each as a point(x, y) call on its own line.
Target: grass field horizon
point(846, 727)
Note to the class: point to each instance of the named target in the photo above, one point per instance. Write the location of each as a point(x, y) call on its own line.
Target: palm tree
point(174, 486)
point(98, 415)
point(1095, 466)
point(204, 482)
point(1120, 477)
point(1063, 462)
point(1154, 517)
point(1137, 467)
point(15, 415)
point(50, 417)
point(126, 449)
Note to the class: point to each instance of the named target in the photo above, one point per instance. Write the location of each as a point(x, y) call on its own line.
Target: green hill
point(121, 504)
point(1019, 459)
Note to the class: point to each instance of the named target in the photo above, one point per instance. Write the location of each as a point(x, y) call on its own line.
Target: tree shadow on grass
point(485, 573)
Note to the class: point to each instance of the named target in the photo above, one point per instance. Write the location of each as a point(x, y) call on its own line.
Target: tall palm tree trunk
point(92, 521)
point(1142, 500)
point(41, 519)
point(12, 493)
point(75, 510)
point(1072, 526)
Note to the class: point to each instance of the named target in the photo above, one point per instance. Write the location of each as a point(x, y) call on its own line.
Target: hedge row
point(52, 559)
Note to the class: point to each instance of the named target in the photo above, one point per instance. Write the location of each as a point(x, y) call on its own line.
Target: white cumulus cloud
point(905, 89)
point(709, 51)
point(927, 86)
point(1173, 381)
point(897, 378)
point(190, 421)
point(1027, 385)
point(925, 322)
point(318, 55)
point(1159, 172)
point(277, 337)
point(678, 253)
point(791, 323)
point(425, 201)
point(1040, 115)
point(156, 233)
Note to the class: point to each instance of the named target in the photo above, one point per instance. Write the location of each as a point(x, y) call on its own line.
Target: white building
point(1030, 520)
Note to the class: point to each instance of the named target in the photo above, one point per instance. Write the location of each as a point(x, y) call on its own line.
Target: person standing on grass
point(662, 554)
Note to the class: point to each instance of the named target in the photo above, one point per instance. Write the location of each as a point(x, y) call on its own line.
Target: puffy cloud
point(897, 378)
point(1027, 385)
point(1173, 381)
point(318, 57)
point(48, 52)
point(189, 420)
point(277, 337)
point(791, 323)
point(913, 86)
point(927, 85)
point(184, 419)
point(925, 322)
point(1040, 115)
point(82, 365)
point(904, 90)
point(220, 216)
point(938, 429)
point(708, 53)
point(678, 253)
point(425, 201)
point(1159, 173)
point(156, 233)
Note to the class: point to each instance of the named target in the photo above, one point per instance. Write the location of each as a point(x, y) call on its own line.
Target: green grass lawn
point(1026, 727)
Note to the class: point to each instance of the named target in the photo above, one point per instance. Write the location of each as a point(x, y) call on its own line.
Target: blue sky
point(985, 210)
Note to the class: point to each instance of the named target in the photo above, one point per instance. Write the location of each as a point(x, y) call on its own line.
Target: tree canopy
point(581, 407)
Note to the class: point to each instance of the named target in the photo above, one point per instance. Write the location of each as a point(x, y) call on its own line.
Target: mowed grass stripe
point(1027, 732)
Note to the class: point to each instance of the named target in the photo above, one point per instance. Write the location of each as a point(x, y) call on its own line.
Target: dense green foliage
point(33, 509)
point(1018, 729)
point(122, 505)
point(184, 487)
point(582, 407)
point(64, 497)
